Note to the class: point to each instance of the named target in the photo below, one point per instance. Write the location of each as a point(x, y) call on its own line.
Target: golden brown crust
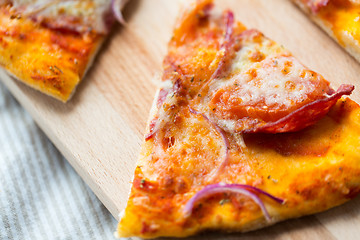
point(50, 61)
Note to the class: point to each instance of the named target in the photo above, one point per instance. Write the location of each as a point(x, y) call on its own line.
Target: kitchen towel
point(41, 196)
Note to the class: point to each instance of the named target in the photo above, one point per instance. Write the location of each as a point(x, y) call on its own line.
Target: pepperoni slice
point(304, 116)
point(275, 95)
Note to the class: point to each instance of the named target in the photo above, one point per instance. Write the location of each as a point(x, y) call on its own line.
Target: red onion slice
point(116, 6)
point(246, 190)
point(316, 5)
point(226, 46)
point(226, 51)
point(225, 160)
point(255, 189)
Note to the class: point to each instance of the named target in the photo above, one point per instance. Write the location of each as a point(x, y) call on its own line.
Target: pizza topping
point(225, 158)
point(306, 115)
point(225, 50)
point(264, 85)
point(246, 190)
point(79, 16)
point(167, 89)
point(316, 5)
point(185, 25)
point(273, 92)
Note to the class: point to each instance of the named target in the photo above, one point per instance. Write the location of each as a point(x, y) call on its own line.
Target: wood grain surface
point(100, 130)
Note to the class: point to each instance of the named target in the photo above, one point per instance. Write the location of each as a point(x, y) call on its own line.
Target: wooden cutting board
point(100, 130)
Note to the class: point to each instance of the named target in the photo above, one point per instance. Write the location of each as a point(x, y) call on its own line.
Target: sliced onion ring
point(227, 44)
point(243, 189)
point(116, 7)
point(315, 6)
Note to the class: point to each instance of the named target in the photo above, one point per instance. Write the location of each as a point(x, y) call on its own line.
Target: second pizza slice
point(49, 45)
point(241, 135)
point(339, 19)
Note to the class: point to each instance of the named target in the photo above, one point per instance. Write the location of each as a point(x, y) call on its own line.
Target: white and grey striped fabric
point(41, 196)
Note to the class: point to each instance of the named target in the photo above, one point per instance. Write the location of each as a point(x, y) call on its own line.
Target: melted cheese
point(265, 83)
point(275, 83)
point(264, 47)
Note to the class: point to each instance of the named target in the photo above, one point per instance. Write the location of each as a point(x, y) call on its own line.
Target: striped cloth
point(41, 196)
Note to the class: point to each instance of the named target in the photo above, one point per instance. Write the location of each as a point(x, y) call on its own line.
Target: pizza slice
point(49, 45)
point(338, 18)
point(241, 135)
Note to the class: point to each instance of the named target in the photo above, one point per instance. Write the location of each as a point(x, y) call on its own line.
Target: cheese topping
point(277, 82)
point(265, 83)
point(75, 15)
